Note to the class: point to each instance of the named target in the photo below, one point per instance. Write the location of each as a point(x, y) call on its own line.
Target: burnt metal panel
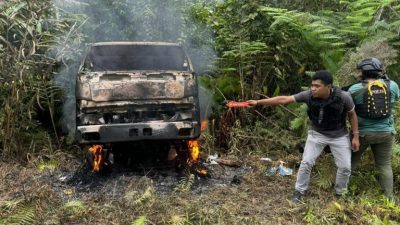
point(107, 91)
point(137, 131)
point(130, 91)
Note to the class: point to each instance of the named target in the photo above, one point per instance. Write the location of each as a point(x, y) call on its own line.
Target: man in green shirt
point(375, 120)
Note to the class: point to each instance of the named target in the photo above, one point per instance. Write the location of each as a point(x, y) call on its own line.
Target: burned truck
point(136, 91)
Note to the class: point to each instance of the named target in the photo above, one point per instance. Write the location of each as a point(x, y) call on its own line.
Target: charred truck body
point(135, 91)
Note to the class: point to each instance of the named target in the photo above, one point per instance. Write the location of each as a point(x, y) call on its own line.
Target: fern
point(74, 207)
point(141, 220)
point(186, 182)
point(318, 29)
point(146, 196)
point(333, 32)
point(326, 173)
point(179, 220)
point(10, 205)
point(300, 123)
point(373, 219)
point(310, 216)
point(396, 149)
point(50, 165)
point(21, 213)
point(135, 198)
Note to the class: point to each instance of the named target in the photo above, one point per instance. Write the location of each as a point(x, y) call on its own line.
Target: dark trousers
point(381, 144)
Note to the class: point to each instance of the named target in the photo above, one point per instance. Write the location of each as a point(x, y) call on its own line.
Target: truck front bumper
point(108, 133)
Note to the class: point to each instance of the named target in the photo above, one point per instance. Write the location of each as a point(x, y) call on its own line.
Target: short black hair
point(324, 76)
point(374, 74)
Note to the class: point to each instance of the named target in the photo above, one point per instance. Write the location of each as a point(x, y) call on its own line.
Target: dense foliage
point(266, 49)
point(27, 32)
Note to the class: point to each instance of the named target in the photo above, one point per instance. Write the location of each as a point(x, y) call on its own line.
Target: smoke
point(126, 20)
point(66, 80)
point(206, 103)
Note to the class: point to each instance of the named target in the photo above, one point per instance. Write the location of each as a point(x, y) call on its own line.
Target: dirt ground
point(66, 192)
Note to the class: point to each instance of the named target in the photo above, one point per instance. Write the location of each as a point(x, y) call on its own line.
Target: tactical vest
point(376, 102)
point(327, 114)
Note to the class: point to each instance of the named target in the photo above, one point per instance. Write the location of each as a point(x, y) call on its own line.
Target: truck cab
point(134, 91)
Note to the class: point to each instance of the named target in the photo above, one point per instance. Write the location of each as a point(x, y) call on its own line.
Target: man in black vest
point(328, 108)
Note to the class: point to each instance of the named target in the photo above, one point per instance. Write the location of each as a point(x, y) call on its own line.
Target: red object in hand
point(233, 104)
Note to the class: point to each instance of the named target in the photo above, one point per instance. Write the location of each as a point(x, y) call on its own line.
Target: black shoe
point(344, 196)
point(297, 197)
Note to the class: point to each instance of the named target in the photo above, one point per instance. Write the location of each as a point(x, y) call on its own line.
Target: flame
point(204, 125)
point(202, 172)
point(98, 161)
point(193, 150)
point(193, 160)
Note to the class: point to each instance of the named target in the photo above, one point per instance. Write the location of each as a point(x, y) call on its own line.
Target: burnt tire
point(107, 165)
point(89, 159)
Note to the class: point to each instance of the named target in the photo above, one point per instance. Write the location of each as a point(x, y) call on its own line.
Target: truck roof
point(134, 43)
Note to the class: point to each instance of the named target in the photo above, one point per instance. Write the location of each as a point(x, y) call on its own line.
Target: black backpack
point(376, 102)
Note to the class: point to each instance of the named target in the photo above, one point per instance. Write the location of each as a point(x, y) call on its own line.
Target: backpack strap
point(389, 94)
point(360, 91)
point(379, 84)
point(365, 88)
point(387, 82)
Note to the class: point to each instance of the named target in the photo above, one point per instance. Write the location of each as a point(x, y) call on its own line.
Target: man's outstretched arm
point(278, 100)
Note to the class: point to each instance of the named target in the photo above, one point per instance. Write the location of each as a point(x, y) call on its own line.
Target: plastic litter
point(266, 159)
point(281, 169)
point(63, 178)
point(271, 171)
point(284, 171)
point(211, 159)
